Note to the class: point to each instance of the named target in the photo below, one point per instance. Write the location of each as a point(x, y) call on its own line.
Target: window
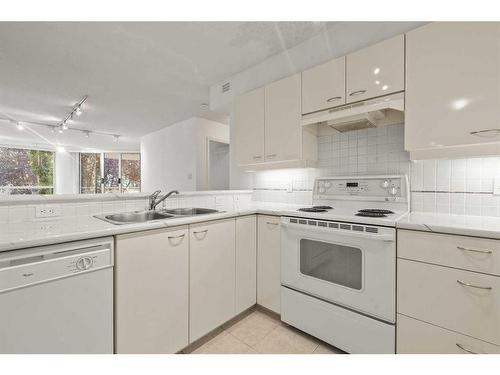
point(111, 172)
point(24, 171)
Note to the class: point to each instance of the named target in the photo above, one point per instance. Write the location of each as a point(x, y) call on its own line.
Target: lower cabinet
point(151, 291)
point(417, 337)
point(269, 262)
point(447, 303)
point(246, 263)
point(211, 276)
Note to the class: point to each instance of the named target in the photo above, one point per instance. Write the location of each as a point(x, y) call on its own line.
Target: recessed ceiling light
point(385, 87)
point(376, 71)
point(377, 82)
point(204, 106)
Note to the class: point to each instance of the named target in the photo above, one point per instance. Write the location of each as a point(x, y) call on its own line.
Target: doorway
point(218, 165)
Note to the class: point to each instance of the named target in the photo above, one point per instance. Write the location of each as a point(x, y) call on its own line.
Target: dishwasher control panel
point(35, 268)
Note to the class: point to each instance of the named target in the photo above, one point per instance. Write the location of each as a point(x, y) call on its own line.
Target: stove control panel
point(385, 188)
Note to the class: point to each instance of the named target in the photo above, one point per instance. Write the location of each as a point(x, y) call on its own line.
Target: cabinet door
point(248, 126)
point(151, 291)
point(452, 85)
point(246, 262)
point(376, 70)
point(323, 86)
point(269, 263)
point(283, 135)
point(212, 275)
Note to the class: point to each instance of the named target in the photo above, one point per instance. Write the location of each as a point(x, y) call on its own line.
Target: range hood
point(371, 113)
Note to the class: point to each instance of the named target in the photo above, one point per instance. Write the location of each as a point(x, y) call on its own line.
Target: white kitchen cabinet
point(283, 132)
point(452, 90)
point(376, 70)
point(417, 337)
point(246, 263)
point(211, 275)
point(268, 133)
point(151, 291)
point(269, 262)
point(249, 127)
point(447, 293)
point(323, 86)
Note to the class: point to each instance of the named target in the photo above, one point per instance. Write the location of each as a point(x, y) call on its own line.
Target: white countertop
point(466, 225)
point(45, 232)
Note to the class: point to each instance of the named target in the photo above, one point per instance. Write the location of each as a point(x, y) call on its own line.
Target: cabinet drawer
point(417, 337)
point(469, 253)
point(450, 298)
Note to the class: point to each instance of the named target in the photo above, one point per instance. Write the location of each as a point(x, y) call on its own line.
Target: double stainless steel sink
point(153, 215)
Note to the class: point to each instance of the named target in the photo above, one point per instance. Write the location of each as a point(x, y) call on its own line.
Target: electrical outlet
point(48, 211)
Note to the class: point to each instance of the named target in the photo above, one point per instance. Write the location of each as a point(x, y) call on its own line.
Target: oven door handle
point(389, 237)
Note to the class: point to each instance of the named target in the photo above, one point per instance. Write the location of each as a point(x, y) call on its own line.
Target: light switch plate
point(496, 186)
point(47, 211)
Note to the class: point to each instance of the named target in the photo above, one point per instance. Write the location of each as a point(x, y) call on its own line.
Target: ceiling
point(139, 76)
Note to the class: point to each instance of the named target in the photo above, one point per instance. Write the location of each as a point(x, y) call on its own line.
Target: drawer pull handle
point(174, 237)
point(271, 155)
point(201, 231)
point(465, 349)
point(334, 98)
point(474, 250)
point(359, 92)
point(474, 286)
point(257, 156)
point(269, 223)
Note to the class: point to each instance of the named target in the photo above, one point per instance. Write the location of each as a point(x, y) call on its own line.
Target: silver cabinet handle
point(329, 100)
point(474, 250)
point(268, 222)
point(201, 231)
point(271, 155)
point(465, 349)
point(486, 133)
point(359, 92)
point(474, 286)
point(257, 156)
point(174, 237)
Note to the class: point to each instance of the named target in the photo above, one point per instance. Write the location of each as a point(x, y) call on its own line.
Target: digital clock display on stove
point(351, 184)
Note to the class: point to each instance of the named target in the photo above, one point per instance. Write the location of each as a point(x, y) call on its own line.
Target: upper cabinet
point(323, 86)
point(249, 132)
point(452, 90)
point(283, 133)
point(268, 133)
point(376, 70)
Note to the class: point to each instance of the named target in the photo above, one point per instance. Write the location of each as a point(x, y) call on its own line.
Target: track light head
point(78, 110)
point(116, 138)
point(19, 126)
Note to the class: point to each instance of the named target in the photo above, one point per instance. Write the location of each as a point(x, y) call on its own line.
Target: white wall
point(66, 173)
point(176, 157)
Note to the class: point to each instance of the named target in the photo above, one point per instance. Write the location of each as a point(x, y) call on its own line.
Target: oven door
point(350, 265)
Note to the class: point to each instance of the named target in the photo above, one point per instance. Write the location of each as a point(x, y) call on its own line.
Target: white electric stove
point(338, 262)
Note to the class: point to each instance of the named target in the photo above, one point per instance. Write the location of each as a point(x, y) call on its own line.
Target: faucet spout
point(153, 201)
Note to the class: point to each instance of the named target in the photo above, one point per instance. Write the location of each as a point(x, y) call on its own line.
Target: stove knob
point(385, 184)
point(393, 191)
point(327, 184)
point(321, 190)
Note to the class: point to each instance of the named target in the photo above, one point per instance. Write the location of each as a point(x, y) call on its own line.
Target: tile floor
point(259, 332)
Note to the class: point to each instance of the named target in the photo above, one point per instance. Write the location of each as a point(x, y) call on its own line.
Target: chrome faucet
point(154, 201)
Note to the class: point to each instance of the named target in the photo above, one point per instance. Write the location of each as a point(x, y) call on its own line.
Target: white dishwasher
point(58, 298)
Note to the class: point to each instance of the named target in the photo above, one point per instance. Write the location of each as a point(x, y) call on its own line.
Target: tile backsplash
point(81, 207)
point(458, 186)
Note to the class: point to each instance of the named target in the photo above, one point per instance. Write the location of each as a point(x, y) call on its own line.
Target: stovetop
point(381, 199)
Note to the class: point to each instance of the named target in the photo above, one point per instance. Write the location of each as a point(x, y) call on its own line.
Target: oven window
point(335, 263)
